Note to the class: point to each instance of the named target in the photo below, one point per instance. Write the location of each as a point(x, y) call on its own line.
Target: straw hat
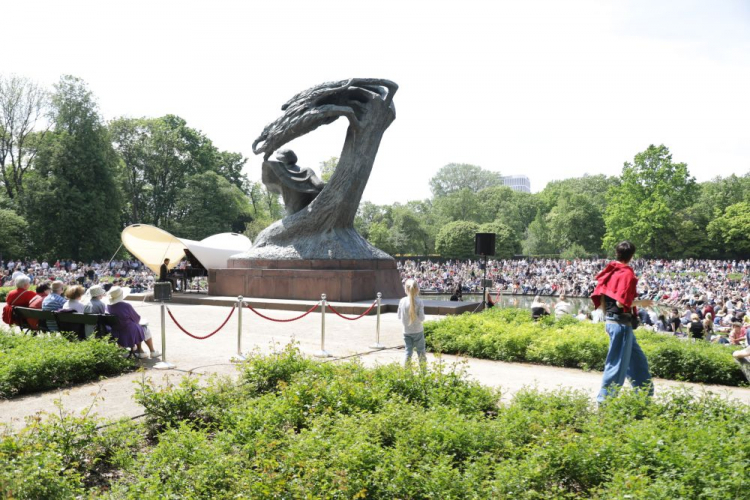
point(96, 291)
point(117, 294)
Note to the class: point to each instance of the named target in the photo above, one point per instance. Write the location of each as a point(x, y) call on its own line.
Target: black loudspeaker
point(162, 291)
point(484, 244)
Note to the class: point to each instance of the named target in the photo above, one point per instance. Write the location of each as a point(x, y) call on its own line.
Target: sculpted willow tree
point(324, 228)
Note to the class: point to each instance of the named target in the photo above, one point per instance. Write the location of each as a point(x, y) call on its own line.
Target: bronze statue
point(320, 217)
point(298, 186)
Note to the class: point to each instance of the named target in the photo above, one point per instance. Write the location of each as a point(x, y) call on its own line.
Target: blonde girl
point(411, 314)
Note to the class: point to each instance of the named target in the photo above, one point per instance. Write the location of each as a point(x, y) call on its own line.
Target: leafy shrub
point(511, 335)
point(5, 289)
point(342, 431)
point(29, 364)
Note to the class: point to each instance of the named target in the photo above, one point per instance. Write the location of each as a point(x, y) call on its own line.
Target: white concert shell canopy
point(152, 245)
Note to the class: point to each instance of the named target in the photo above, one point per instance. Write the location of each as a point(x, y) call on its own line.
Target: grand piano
point(194, 269)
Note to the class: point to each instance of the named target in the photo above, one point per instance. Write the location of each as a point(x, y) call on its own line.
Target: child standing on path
point(411, 314)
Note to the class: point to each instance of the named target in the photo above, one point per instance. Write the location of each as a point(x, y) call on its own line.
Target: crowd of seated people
point(130, 332)
point(699, 299)
point(130, 273)
point(674, 281)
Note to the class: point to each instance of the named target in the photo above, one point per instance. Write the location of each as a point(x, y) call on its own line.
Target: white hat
point(117, 294)
point(96, 291)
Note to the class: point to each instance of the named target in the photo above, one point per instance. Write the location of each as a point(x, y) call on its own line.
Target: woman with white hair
point(20, 297)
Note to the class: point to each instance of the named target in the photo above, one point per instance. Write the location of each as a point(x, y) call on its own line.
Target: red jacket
point(16, 298)
point(618, 282)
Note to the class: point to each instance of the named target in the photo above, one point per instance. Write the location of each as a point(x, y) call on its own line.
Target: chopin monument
point(315, 249)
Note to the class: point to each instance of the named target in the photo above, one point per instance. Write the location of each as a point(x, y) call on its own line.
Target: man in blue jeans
point(615, 293)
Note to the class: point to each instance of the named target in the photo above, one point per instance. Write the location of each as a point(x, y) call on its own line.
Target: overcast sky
point(549, 89)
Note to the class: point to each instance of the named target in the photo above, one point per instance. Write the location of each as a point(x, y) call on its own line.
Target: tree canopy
point(642, 207)
point(457, 176)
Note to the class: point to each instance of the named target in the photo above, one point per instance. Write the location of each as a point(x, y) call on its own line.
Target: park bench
point(66, 321)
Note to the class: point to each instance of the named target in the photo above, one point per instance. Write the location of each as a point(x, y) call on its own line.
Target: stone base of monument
point(340, 280)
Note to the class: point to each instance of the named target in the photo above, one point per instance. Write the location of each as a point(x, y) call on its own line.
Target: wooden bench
point(66, 321)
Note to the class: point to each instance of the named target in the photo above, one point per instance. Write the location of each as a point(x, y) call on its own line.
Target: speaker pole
point(484, 285)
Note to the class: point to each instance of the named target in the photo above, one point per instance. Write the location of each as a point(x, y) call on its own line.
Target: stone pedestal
point(340, 280)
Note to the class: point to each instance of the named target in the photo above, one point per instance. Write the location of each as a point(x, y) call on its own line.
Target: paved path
point(343, 338)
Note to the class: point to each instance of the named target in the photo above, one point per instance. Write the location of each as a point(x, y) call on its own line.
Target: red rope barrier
point(284, 320)
point(352, 319)
point(196, 336)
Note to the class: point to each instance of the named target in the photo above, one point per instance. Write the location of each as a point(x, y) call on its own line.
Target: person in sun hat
point(95, 305)
point(129, 331)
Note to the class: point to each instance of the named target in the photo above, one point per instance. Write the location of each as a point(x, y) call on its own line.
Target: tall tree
point(74, 206)
point(13, 234)
point(575, 220)
point(23, 105)
point(642, 208)
point(457, 176)
point(159, 155)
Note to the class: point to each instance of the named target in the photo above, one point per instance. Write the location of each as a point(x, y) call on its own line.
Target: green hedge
point(511, 335)
point(294, 428)
point(5, 289)
point(37, 363)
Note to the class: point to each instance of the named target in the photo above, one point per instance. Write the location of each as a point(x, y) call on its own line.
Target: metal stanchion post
point(377, 344)
point(163, 364)
point(240, 305)
point(323, 353)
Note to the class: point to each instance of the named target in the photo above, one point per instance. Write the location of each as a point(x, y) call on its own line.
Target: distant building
point(517, 183)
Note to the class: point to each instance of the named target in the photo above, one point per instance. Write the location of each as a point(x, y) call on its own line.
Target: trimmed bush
point(511, 335)
point(38, 363)
point(294, 428)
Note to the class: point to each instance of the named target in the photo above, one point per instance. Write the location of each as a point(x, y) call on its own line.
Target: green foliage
point(461, 205)
point(160, 157)
point(575, 251)
point(397, 229)
point(30, 364)
point(538, 239)
point(511, 335)
point(642, 208)
point(575, 220)
point(456, 240)
point(733, 228)
point(328, 167)
point(295, 428)
point(13, 234)
point(210, 204)
point(514, 208)
point(73, 204)
point(593, 187)
point(507, 244)
point(454, 177)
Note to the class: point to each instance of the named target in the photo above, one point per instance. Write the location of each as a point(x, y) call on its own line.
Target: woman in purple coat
point(129, 331)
